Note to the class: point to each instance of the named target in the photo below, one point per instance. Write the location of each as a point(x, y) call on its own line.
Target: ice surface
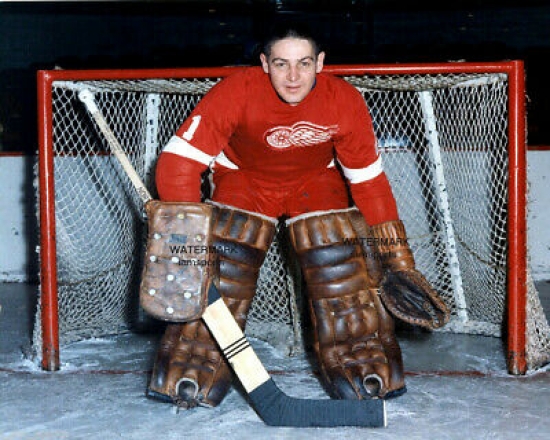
point(99, 394)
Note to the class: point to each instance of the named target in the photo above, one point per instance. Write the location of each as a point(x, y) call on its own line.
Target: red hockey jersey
point(243, 124)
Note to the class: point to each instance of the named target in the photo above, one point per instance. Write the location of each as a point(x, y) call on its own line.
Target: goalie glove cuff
point(391, 241)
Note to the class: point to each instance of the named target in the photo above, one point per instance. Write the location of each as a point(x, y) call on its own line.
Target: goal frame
point(517, 184)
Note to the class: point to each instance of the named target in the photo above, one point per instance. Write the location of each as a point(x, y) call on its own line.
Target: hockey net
point(449, 136)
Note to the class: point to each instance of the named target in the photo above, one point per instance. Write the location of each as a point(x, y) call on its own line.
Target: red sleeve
point(178, 179)
point(207, 130)
point(375, 200)
point(355, 144)
point(356, 149)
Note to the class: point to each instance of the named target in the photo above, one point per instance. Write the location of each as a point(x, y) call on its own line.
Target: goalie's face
point(292, 66)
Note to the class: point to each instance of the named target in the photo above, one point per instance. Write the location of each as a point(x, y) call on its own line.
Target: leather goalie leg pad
point(358, 353)
point(192, 371)
point(386, 330)
point(187, 356)
point(242, 240)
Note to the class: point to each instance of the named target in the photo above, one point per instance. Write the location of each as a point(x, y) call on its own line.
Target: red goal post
point(516, 295)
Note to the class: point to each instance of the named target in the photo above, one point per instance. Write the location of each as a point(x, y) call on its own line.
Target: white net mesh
point(444, 143)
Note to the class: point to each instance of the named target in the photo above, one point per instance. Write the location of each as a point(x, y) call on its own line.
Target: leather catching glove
point(404, 290)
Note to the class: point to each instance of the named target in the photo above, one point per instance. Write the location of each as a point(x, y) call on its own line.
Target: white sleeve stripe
point(358, 175)
point(224, 161)
point(177, 145)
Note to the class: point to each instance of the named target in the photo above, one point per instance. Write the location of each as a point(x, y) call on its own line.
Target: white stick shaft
point(235, 346)
point(88, 99)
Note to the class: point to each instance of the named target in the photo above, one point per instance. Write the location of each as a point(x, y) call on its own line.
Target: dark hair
point(280, 31)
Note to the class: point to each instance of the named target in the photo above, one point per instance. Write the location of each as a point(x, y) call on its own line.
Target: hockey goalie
point(285, 140)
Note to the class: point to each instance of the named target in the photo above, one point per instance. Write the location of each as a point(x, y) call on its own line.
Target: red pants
point(315, 192)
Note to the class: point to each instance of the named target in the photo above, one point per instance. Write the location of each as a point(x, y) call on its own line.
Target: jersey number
point(190, 132)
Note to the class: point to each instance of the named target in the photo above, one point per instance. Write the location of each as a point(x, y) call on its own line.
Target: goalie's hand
point(409, 296)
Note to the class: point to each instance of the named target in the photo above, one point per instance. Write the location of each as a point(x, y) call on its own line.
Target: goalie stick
point(273, 406)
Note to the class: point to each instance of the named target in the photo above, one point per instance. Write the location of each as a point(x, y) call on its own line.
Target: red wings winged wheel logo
point(301, 134)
